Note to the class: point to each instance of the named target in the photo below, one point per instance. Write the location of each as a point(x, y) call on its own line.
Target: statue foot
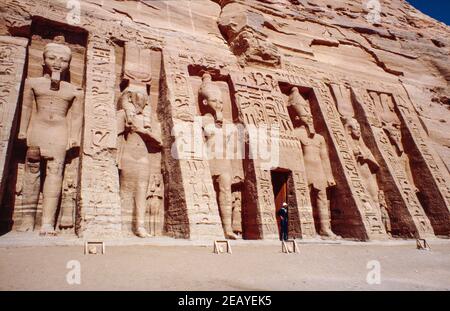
point(142, 233)
point(26, 227)
point(47, 230)
point(66, 222)
point(230, 235)
point(238, 234)
point(328, 234)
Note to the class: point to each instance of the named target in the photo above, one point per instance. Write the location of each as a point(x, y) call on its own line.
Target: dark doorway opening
point(280, 191)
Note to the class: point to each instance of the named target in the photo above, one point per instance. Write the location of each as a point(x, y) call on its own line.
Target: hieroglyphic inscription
point(370, 214)
point(100, 201)
point(12, 60)
point(200, 199)
point(395, 165)
point(304, 204)
point(413, 124)
point(261, 104)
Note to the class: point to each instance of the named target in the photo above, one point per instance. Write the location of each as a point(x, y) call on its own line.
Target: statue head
point(211, 97)
point(353, 127)
point(394, 133)
point(302, 109)
point(134, 97)
point(57, 58)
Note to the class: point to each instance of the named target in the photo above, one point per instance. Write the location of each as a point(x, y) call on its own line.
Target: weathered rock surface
point(373, 74)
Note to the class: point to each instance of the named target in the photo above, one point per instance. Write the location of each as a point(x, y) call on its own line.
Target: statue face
point(215, 102)
point(56, 60)
point(307, 119)
point(355, 129)
point(394, 133)
point(138, 99)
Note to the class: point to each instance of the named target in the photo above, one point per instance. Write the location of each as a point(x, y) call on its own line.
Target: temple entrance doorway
point(280, 190)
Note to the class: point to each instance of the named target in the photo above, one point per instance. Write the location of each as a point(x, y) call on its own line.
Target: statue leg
point(30, 188)
point(323, 207)
point(140, 201)
point(224, 182)
point(52, 193)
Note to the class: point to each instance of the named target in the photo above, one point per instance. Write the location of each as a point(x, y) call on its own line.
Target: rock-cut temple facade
point(199, 119)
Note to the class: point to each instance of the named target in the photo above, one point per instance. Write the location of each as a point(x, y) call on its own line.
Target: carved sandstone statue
point(155, 199)
point(137, 139)
point(51, 124)
point(237, 212)
point(368, 167)
point(367, 164)
point(392, 126)
point(221, 169)
point(317, 162)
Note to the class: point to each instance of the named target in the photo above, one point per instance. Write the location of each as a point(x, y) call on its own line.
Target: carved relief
point(367, 165)
point(139, 147)
point(261, 105)
point(383, 161)
point(51, 105)
point(317, 162)
point(195, 213)
point(213, 125)
point(99, 207)
point(243, 32)
point(237, 208)
point(362, 206)
point(387, 131)
point(12, 61)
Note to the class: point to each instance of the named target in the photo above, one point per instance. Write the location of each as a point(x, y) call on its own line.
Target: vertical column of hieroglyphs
point(408, 215)
point(259, 210)
point(12, 60)
point(434, 180)
point(196, 213)
point(99, 194)
point(373, 227)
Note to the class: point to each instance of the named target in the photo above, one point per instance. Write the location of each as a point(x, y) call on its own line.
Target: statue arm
point(27, 108)
point(154, 135)
point(76, 119)
point(369, 158)
point(120, 118)
point(208, 125)
point(326, 162)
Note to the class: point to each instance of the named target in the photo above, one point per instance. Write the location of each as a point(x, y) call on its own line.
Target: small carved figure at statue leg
point(30, 189)
point(50, 124)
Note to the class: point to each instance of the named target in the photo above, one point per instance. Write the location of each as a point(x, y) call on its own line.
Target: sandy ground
point(258, 266)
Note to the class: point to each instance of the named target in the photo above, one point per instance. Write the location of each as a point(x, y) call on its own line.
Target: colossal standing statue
point(392, 126)
point(137, 140)
point(50, 124)
point(317, 162)
point(368, 167)
point(221, 168)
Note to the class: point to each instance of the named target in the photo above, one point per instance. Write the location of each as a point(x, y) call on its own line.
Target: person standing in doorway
point(283, 213)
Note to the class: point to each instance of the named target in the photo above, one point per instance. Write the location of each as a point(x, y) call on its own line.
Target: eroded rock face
point(361, 84)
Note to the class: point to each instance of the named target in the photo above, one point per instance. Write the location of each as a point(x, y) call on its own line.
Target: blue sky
point(438, 9)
